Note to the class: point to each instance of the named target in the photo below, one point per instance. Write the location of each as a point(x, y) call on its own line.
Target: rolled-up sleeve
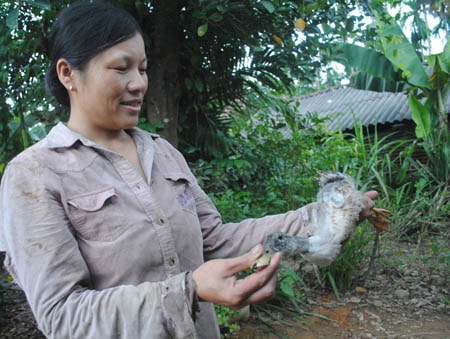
point(233, 239)
point(43, 256)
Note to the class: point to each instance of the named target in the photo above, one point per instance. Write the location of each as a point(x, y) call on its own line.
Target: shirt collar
point(61, 136)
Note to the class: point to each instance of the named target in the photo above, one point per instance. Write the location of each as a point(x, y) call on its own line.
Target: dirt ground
point(354, 321)
point(356, 316)
point(405, 297)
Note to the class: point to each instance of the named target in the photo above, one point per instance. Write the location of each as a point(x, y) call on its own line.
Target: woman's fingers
point(371, 194)
point(369, 204)
point(216, 280)
point(244, 262)
point(266, 283)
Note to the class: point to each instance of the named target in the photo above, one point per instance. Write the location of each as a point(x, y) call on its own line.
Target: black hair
point(80, 32)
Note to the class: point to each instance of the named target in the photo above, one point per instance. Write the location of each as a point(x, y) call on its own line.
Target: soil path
point(407, 296)
point(357, 320)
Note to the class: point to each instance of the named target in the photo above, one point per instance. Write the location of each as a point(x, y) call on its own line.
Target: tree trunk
point(164, 89)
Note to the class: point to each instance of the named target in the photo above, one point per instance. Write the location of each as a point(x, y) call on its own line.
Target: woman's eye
point(143, 70)
point(121, 69)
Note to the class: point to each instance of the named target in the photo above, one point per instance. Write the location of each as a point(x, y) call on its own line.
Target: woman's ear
point(65, 74)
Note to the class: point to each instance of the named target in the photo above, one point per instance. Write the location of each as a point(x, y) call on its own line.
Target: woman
point(104, 226)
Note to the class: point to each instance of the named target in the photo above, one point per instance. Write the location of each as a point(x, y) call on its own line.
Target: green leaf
point(364, 59)
point(221, 8)
point(201, 30)
point(12, 19)
point(198, 85)
point(444, 58)
point(333, 285)
point(421, 117)
point(37, 132)
point(401, 53)
point(268, 5)
point(188, 83)
point(197, 14)
point(216, 17)
point(42, 4)
point(287, 290)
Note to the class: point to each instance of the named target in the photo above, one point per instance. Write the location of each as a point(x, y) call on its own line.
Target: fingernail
point(255, 250)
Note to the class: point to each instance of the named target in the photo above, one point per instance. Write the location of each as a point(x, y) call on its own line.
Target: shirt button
point(171, 261)
point(160, 222)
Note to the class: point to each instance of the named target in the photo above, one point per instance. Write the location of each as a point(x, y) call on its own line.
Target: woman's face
point(109, 92)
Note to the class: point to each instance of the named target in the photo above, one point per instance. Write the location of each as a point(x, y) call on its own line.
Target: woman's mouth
point(134, 105)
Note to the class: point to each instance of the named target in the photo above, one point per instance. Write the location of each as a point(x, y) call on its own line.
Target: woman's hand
point(216, 280)
point(369, 204)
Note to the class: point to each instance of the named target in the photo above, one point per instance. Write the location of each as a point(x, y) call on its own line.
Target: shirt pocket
point(183, 195)
point(96, 216)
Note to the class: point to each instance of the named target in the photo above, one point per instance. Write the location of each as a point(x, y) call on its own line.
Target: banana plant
point(398, 67)
point(369, 68)
point(430, 113)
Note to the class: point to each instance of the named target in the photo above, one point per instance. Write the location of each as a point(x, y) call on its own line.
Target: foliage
point(400, 52)
point(398, 66)
point(369, 68)
point(218, 50)
point(226, 48)
point(430, 114)
point(266, 171)
point(227, 319)
point(421, 208)
point(26, 112)
point(404, 67)
point(415, 14)
point(243, 44)
point(288, 301)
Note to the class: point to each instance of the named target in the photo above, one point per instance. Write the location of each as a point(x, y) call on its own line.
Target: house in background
point(345, 105)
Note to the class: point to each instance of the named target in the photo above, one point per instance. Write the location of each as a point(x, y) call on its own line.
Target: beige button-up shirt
point(102, 253)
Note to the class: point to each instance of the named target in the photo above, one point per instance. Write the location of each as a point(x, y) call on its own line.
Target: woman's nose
point(138, 81)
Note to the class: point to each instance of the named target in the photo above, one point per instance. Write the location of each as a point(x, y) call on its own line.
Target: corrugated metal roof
point(345, 105)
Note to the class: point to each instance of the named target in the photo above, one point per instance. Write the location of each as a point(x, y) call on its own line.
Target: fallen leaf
point(326, 300)
point(355, 300)
point(360, 290)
